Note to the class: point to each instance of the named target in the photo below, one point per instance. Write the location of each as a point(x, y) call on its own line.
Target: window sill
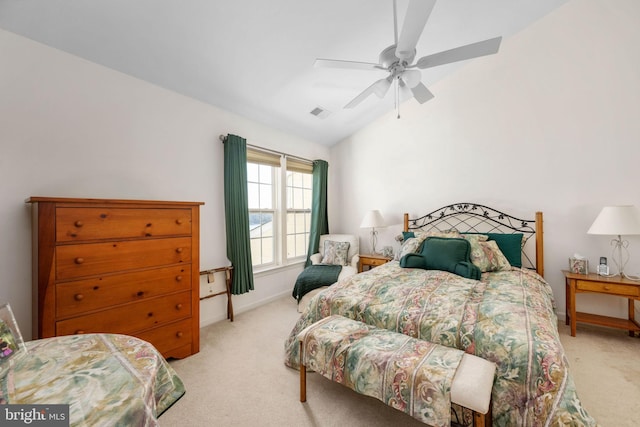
point(277, 269)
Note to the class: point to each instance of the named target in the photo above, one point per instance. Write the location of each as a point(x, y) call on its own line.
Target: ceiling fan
point(398, 59)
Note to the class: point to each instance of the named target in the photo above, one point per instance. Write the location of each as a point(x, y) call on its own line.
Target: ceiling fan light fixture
point(398, 59)
point(411, 78)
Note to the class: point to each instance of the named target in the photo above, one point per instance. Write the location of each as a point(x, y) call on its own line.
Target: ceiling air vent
point(320, 112)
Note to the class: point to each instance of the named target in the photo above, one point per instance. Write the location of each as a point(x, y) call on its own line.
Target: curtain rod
point(267, 150)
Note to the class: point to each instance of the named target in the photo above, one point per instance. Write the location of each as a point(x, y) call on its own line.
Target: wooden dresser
point(117, 266)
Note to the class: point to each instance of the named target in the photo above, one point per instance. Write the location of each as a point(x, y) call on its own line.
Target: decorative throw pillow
point(409, 245)
point(478, 256)
point(444, 253)
point(509, 244)
point(335, 252)
point(450, 234)
point(494, 258)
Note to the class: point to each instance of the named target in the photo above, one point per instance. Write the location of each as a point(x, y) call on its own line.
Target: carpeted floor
point(239, 378)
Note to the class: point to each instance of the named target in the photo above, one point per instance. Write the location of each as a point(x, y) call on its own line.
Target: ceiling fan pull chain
point(397, 98)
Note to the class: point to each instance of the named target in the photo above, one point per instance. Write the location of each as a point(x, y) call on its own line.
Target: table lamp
point(372, 220)
point(616, 221)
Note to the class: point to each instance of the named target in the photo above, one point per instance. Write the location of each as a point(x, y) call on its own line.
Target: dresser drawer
point(608, 288)
point(130, 318)
point(169, 337)
point(98, 258)
point(78, 223)
point(81, 296)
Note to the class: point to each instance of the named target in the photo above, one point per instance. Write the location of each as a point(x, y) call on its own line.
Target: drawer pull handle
point(78, 297)
point(607, 287)
point(178, 306)
point(79, 260)
point(179, 221)
point(150, 314)
point(79, 331)
point(178, 278)
point(179, 334)
point(179, 250)
point(140, 293)
point(78, 223)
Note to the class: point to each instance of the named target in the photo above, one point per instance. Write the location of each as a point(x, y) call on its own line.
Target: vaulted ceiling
point(255, 57)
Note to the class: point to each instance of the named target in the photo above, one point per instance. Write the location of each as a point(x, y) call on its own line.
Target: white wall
point(71, 128)
point(550, 123)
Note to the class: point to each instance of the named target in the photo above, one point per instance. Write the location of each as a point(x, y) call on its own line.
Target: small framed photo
point(12, 346)
point(579, 265)
point(387, 251)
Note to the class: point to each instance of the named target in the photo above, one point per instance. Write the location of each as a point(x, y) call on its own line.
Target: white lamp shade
point(372, 219)
point(617, 220)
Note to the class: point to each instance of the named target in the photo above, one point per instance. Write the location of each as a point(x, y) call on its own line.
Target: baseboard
point(561, 316)
point(243, 308)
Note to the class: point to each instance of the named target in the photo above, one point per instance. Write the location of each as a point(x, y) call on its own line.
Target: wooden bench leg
point(483, 420)
point(303, 378)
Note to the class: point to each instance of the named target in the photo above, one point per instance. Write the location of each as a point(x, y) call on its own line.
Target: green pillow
point(509, 244)
point(444, 253)
point(412, 260)
point(407, 234)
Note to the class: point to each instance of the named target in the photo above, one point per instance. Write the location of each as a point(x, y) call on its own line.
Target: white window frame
point(279, 204)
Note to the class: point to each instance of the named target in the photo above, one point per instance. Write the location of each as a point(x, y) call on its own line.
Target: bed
point(106, 379)
point(506, 317)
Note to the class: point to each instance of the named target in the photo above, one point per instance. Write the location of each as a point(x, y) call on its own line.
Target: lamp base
point(374, 240)
point(620, 261)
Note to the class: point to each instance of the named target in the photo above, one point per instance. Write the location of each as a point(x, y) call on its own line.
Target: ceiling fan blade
point(421, 93)
point(414, 21)
point(351, 65)
point(379, 87)
point(411, 77)
point(473, 50)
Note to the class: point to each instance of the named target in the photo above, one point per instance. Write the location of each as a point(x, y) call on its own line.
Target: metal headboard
point(476, 218)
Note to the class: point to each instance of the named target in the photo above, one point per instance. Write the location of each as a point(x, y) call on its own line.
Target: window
point(279, 190)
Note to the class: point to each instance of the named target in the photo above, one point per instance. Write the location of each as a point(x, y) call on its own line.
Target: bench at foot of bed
point(417, 377)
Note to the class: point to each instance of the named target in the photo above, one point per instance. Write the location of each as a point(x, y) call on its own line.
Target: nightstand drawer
point(608, 288)
point(376, 262)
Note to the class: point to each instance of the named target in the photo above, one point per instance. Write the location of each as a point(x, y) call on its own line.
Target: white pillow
point(335, 253)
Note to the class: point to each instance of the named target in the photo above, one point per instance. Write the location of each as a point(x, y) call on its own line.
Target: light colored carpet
point(239, 379)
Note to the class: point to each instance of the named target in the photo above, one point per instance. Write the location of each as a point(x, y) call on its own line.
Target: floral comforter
point(506, 318)
point(107, 379)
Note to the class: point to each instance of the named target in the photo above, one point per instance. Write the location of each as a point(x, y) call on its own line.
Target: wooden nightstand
point(372, 260)
point(615, 285)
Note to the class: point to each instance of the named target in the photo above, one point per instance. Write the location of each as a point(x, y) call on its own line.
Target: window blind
point(273, 159)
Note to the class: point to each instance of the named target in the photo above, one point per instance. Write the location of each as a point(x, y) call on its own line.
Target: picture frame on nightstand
point(579, 265)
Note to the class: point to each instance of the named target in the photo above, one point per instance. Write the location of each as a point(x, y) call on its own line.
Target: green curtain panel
point(319, 217)
point(236, 210)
